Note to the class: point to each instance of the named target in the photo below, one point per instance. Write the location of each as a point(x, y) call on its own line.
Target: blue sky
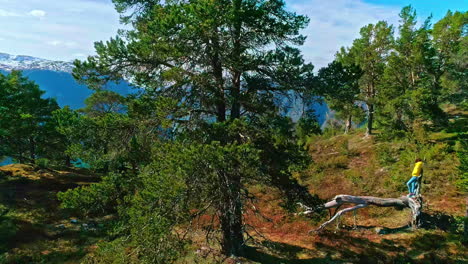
point(66, 29)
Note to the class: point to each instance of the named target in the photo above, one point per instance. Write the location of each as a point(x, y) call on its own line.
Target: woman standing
point(415, 178)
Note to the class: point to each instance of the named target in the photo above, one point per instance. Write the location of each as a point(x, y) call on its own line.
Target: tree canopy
point(27, 130)
point(230, 65)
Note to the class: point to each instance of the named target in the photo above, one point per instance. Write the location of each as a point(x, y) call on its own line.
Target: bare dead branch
point(414, 203)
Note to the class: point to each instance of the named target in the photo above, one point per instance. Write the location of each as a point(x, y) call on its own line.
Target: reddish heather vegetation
point(346, 164)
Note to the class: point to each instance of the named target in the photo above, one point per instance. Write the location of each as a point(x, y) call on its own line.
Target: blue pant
point(412, 184)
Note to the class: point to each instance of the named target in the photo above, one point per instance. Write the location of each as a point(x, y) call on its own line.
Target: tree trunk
point(230, 215)
point(218, 75)
point(370, 119)
point(236, 57)
point(235, 93)
point(465, 227)
point(231, 208)
point(32, 145)
point(415, 204)
point(348, 124)
point(68, 161)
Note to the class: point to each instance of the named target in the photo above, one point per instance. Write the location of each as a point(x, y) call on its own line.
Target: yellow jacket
point(417, 169)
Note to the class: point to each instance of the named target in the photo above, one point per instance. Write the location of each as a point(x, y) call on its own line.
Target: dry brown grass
point(347, 164)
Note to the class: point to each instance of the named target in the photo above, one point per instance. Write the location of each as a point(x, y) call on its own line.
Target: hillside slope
point(32, 227)
point(354, 164)
point(36, 230)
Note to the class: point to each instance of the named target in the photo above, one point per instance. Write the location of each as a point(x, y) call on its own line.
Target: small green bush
point(385, 154)
point(43, 163)
point(336, 162)
point(96, 198)
point(462, 153)
point(7, 229)
point(355, 176)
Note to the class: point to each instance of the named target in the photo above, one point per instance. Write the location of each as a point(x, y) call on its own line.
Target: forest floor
point(36, 230)
point(358, 165)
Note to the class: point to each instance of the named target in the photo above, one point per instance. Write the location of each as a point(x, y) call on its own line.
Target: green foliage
point(409, 94)
point(7, 232)
point(7, 229)
point(43, 163)
point(398, 159)
point(27, 130)
point(111, 252)
point(386, 154)
point(181, 179)
point(340, 86)
point(104, 102)
point(306, 126)
point(462, 153)
point(405, 80)
point(252, 42)
point(118, 140)
point(451, 39)
point(223, 61)
point(369, 52)
point(209, 122)
point(97, 198)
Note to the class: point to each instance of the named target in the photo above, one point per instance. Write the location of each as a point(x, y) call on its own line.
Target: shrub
point(43, 163)
point(96, 198)
point(7, 228)
point(336, 162)
point(355, 176)
point(462, 153)
point(385, 154)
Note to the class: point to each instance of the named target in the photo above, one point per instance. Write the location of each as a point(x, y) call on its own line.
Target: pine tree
point(340, 86)
point(224, 60)
point(410, 90)
point(369, 52)
point(450, 36)
point(27, 131)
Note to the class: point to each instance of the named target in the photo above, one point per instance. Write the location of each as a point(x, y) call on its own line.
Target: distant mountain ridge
point(22, 62)
point(54, 77)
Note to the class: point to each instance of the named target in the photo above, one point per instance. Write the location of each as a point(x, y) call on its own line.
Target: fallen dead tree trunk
point(414, 203)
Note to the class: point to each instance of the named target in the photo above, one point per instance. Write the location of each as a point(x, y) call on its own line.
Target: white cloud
point(73, 26)
point(5, 13)
point(54, 29)
point(38, 13)
point(336, 23)
point(57, 43)
point(79, 55)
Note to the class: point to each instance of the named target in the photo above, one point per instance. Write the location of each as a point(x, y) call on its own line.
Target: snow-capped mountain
point(20, 62)
point(55, 78)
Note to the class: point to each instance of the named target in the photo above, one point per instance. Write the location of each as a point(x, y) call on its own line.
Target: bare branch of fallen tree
point(358, 202)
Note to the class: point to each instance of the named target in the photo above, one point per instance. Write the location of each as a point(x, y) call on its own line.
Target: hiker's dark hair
point(418, 160)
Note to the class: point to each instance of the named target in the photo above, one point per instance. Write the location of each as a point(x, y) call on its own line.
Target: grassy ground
point(359, 165)
point(354, 164)
point(35, 230)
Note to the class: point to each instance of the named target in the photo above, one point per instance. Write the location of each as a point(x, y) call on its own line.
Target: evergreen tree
point(307, 125)
point(340, 86)
point(115, 138)
point(450, 36)
point(27, 131)
point(223, 60)
point(410, 90)
point(369, 52)
point(104, 102)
